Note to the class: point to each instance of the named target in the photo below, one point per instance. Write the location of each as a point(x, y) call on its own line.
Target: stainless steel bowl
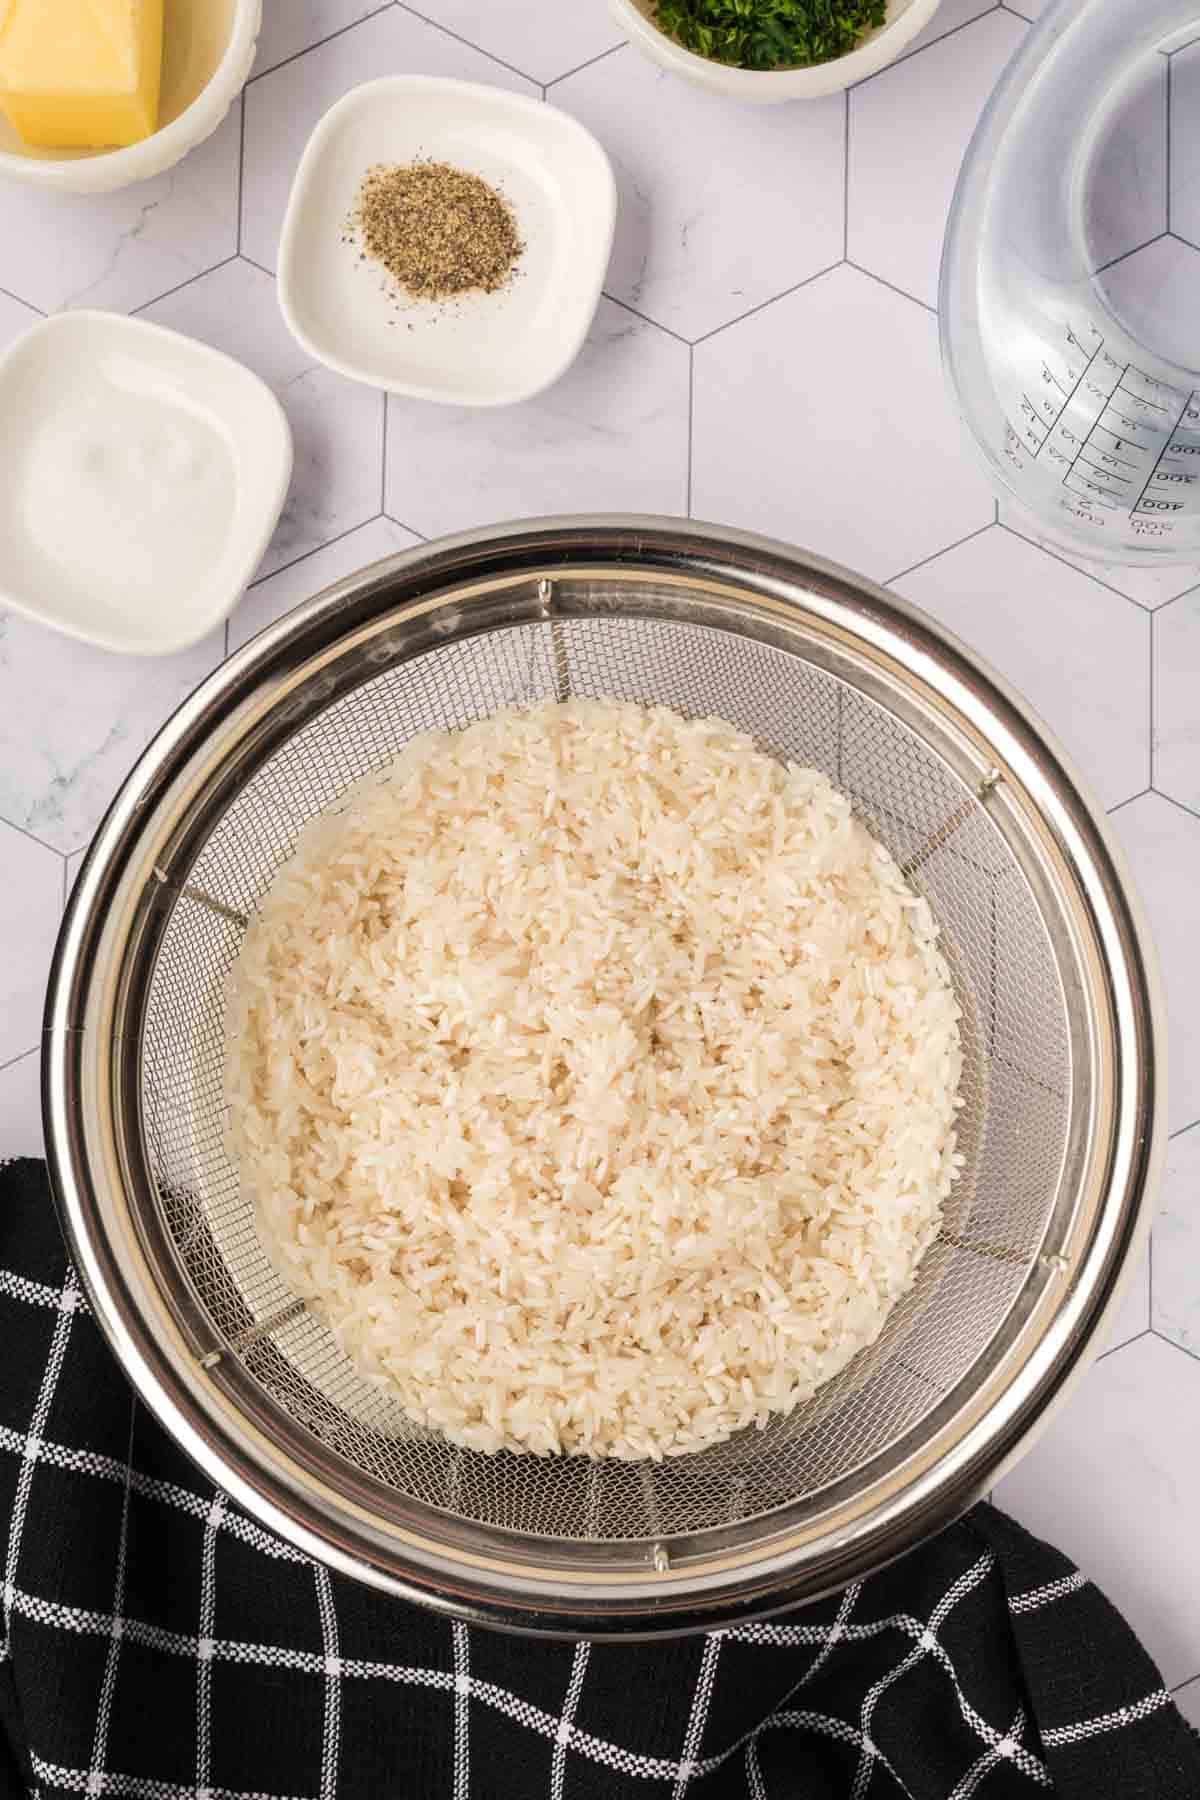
point(1062, 1090)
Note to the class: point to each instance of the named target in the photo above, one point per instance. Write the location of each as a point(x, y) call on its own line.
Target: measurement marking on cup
point(1087, 440)
point(1141, 398)
point(1174, 506)
point(1109, 474)
point(1086, 370)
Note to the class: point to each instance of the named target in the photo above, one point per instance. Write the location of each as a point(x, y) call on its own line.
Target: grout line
point(658, 325)
point(1172, 801)
point(261, 267)
point(589, 64)
point(180, 285)
point(1050, 550)
point(225, 655)
point(1180, 239)
point(66, 881)
point(883, 282)
point(1183, 1130)
point(40, 311)
point(1153, 723)
point(23, 1056)
point(422, 537)
point(706, 336)
point(1007, 6)
point(846, 180)
point(1103, 268)
point(942, 38)
point(316, 549)
point(1190, 1682)
point(241, 182)
point(1170, 104)
point(259, 74)
point(383, 457)
point(459, 39)
point(1150, 1276)
point(23, 832)
point(1128, 801)
point(1124, 1344)
point(691, 423)
point(933, 557)
point(1175, 1344)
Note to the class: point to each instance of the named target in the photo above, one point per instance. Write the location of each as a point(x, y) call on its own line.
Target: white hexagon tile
point(1177, 701)
point(611, 436)
point(1079, 655)
point(542, 38)
point(290, 29)
point(1175, 1292)
point(700, 243)
point(21, 1106)
point(273, 595)
point(1162, 843)
point(823, 419)
point(31, 893)
point(905, 153)
point(123, 249)
point(740, 367)
point(1111, 1459)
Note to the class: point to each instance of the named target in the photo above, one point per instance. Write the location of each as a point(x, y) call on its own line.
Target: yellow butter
point(81, 74)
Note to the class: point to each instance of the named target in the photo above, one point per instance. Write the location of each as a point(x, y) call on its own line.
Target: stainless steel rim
point(274, 1468)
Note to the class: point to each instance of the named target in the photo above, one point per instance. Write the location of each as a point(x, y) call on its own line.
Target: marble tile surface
point(734, 373)
point(31, 894)
point(1177, 701)
point(1151, 587)
point(299, 25)
point(72, 721)
point(822, 419)
point(542, 38)
point(121, 250)
point(700, 243)
point(1079, 656)
point(611, 436)
point(1162, 843)
point(1111, 1458)
point(905, 156)
point(21, 1107)
point(1175, 1291)
point(273, 595)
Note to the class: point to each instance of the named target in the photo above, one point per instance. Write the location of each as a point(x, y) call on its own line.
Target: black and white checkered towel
point(157, 1643)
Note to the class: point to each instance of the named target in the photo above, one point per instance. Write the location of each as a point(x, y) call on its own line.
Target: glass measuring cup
point(1087, 410)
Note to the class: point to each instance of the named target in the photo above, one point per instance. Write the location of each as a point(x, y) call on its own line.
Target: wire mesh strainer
point(1059, 1089)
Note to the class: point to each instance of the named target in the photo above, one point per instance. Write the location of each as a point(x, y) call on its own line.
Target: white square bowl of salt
point(447, 240)
point(144, 473)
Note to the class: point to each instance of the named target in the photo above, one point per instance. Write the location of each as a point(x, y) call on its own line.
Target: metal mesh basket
point(1057, 1084)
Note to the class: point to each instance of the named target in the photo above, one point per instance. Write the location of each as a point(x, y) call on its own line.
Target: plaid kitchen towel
point(157, 1643)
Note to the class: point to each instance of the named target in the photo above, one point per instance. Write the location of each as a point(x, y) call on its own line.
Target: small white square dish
point(144, 475)
point(482, 349)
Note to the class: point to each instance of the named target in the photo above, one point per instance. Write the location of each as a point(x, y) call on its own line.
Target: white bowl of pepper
point(773, 50)
point(447, 240)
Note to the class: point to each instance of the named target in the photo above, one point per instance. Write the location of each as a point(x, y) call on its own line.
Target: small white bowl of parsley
point(773, 49)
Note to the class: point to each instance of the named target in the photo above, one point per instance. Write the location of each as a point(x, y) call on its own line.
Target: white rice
point(594, 1075)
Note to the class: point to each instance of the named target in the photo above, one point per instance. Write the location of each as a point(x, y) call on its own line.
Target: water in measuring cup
point(1094, 436)
point(1070, 313)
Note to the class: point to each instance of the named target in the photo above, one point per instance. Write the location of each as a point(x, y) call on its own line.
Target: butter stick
point(81, 74)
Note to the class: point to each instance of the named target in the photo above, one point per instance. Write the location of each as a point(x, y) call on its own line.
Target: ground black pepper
point(437, 231)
